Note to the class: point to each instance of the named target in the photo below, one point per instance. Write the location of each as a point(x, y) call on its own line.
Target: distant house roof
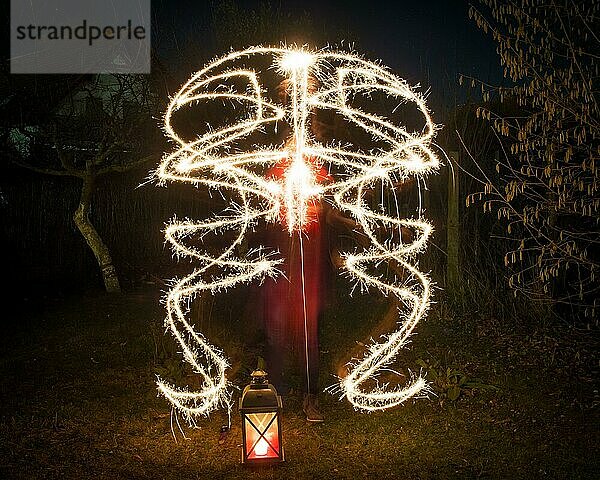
point(27, 100)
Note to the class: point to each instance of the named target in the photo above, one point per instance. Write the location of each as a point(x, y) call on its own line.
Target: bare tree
point(103, 125)
point(549, 169)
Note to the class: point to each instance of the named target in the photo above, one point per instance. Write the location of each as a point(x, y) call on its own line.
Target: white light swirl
point(214, 160)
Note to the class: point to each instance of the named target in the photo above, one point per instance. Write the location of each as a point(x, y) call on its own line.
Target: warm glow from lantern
point(262, 438)
point(213, 160)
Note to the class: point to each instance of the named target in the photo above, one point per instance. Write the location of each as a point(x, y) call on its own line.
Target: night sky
point(430, 43)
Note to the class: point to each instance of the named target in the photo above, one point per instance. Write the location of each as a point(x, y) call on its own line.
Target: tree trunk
point(93, 239)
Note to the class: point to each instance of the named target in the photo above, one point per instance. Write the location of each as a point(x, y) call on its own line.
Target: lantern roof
point(259, 397)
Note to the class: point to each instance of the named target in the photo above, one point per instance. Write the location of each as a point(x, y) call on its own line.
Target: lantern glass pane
point(262, 435)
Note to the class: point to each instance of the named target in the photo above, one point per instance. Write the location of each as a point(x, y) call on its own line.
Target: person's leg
point(275, 322)
point(313, 291)
point(312, 348)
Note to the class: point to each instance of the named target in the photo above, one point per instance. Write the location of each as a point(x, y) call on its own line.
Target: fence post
point(453, 280)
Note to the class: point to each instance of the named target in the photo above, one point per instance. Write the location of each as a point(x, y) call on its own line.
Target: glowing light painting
point(214, 159)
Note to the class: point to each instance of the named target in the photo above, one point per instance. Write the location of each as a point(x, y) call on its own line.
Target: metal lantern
point(260, 408)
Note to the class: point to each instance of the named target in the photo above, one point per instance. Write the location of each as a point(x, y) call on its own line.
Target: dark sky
point(432, 38)
point(427, 42)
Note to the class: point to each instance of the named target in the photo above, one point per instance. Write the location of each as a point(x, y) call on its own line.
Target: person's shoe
point(310, 406)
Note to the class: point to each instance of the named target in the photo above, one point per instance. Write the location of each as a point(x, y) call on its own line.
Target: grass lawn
point(79, 401)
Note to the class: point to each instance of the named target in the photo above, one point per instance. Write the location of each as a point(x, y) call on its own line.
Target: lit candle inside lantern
point(262, 448)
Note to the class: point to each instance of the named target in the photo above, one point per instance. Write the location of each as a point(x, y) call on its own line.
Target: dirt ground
point(79, 400)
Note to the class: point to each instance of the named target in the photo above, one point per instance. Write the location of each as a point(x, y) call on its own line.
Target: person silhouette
point(292, 305)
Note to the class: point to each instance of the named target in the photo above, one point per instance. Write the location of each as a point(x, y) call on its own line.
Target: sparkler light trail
point(221, 159)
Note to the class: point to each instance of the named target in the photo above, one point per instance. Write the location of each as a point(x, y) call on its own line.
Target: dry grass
point(78, 401)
